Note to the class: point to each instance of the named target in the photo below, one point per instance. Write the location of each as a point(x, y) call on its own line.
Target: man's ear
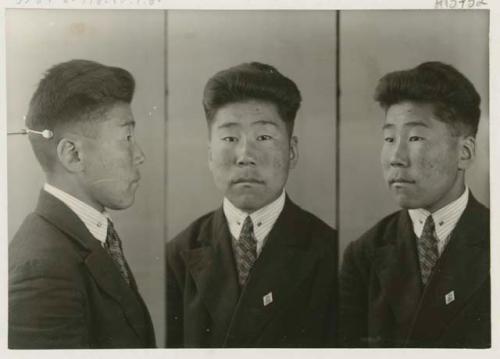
point(294, 151)
point(69, 154)
point(467, 154)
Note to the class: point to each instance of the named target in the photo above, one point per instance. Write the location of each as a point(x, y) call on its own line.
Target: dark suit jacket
point(383, 303)
point(64, 289)
point(298, 265)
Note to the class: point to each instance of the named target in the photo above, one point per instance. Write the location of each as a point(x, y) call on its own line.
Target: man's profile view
point(69, 283)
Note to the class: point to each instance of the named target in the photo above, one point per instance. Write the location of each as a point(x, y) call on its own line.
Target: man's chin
point(246, 203)
point(407, 203)
point(122, 203)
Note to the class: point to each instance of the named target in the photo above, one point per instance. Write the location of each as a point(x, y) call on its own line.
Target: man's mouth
point(400, 180)
point(248, 180)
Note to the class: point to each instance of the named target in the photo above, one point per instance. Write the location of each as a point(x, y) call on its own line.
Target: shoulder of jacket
point(187, 237)
point(39, 243)
point(374, 236)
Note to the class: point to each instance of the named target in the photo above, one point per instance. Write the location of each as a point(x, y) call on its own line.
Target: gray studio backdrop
point(172, 54)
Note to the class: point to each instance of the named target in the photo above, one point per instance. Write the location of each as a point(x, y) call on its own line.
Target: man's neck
point(72, 187)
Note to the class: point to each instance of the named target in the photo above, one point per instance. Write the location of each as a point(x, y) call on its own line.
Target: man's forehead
point(248, 109)
point(409, 114)
point(120, 114)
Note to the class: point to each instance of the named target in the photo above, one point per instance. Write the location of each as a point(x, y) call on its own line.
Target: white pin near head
point(48, 134)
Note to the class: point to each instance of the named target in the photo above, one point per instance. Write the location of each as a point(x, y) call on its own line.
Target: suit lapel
point(97, 261)
point(213, 270)
point(109, 279)
point(397, 268)
point(461, 270)
point(280, 269)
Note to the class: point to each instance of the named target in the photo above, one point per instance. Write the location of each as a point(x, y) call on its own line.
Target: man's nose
point(245, 153)
point(139, 156)
point(399, 154)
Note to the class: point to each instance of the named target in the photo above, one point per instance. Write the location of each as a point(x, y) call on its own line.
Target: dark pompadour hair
point(74, 92)
point(456, 101)
point(73, 89)
point(252, 81)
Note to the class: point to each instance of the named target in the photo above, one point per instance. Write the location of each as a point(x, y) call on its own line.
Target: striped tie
point(427, 249)
point(245, 251)
point(113, 246)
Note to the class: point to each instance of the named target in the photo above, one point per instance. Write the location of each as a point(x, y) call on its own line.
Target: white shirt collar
point(95, 221)
point(263, 219)
point(445, 219)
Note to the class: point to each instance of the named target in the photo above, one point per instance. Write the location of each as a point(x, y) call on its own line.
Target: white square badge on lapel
point(267, 299)
point(450, 297)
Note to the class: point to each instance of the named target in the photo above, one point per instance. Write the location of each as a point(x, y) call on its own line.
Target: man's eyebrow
point(237, 124)
point(228, 125)
point(128, 123)
point(407, 124)
point(265, 122)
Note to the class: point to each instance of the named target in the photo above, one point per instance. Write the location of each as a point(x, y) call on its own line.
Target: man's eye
point(229, 139)
point(415, 138)
point(264, 138)
point(388, 139)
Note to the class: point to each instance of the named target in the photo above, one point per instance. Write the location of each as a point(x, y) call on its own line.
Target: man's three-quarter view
point(421, 276)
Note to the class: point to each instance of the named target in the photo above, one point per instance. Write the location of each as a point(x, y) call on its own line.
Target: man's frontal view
point(251, 153)
point(259, 271)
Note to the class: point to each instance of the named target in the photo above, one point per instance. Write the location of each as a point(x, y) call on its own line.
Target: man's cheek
point(278, 163)
point(221, 158)
point(220, 172)
point(435, 165)
point(221, 165)
point(424, 163)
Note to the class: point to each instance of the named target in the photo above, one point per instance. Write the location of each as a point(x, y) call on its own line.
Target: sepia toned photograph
point(209, 179)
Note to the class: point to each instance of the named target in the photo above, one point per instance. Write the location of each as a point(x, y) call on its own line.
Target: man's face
point(250, 153)
point(421, 159)
point(110, 159)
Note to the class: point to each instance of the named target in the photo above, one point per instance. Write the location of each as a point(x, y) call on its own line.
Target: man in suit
point(69, 283)
point(420, 277)
point(259, 271)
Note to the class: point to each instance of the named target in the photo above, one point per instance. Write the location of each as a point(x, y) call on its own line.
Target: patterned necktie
point(427, 249)
point(113, 246)
point(245, 251)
